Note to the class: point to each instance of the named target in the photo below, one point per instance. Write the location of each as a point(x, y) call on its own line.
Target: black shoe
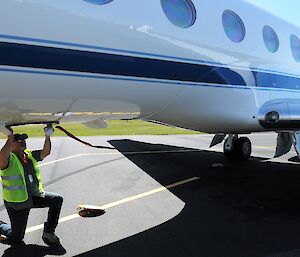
point(50, 238)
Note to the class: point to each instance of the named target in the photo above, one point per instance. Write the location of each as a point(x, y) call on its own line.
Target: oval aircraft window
point(295, 46)
point(271, 39)
point(233, 26)
point(98, 1)
point(181, 13)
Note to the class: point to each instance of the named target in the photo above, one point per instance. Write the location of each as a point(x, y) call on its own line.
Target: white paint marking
point(141, 152)
point(59, 160)
point(119, 153)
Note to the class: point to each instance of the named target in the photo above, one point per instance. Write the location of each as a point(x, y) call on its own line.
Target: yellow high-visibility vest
point(13, 180)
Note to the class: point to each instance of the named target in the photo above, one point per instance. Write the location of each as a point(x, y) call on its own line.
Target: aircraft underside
point(207, 107)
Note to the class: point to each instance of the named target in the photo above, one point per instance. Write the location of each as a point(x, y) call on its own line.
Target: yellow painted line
point(157, 190)
point(119, 202)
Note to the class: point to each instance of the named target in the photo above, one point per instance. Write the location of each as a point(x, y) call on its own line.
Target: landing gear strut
point(237, 148)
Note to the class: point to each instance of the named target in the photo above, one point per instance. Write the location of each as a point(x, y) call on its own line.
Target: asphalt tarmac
point(167, 196)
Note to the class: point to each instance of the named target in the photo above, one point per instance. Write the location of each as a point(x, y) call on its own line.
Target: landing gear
point(229, 147)
point(237, 148)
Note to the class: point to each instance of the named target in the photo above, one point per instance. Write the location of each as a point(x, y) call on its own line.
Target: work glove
point(6, 130)
point(48, 130)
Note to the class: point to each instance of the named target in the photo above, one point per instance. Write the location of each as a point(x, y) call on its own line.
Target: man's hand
point(48, 130)
point(6, 130)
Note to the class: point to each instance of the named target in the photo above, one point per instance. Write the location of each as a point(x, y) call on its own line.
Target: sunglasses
point(19, 141)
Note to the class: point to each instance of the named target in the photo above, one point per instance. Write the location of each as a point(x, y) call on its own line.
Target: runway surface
point(168, 196)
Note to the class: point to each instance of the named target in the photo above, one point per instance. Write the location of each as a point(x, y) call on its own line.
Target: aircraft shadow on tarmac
point(33, 251)
point(236, 209)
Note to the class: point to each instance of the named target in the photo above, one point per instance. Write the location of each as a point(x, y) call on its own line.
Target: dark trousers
point(18, 219)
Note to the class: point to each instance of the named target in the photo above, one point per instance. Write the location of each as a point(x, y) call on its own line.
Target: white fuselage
point(137, 32)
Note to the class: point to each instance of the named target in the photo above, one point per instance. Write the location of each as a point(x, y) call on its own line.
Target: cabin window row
point(182, 13)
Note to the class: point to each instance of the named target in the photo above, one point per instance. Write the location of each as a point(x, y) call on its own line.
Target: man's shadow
point(34, 250)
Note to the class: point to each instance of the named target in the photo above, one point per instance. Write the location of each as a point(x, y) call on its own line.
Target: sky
point(286, 9)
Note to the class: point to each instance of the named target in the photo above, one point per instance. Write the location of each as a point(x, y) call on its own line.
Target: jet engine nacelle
point(280, 114)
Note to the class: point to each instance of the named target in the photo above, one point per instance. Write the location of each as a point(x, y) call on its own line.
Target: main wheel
point(243, 148)
point(229, 149)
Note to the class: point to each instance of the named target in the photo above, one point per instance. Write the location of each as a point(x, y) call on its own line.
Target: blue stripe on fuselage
point(53, 58)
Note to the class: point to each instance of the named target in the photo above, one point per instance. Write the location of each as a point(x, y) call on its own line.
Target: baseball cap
point(18, 137)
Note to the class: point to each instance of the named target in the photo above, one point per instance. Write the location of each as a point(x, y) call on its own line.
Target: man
point(23, 189)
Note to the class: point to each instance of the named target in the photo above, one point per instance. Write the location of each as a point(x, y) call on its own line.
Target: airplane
point(222, 67)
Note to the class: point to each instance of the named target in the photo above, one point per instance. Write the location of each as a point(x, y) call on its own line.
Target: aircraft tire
point(243, 148)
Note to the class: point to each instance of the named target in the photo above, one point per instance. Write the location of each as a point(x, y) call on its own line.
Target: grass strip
point(116, 127)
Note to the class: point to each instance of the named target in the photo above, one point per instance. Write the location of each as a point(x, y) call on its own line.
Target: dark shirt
point(32, 183)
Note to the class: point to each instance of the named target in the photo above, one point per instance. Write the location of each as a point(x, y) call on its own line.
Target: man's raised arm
point(6, 149)
point(47, 145)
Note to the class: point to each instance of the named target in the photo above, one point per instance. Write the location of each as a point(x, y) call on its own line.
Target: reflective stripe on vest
point(14, 188)
point(12, 177)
